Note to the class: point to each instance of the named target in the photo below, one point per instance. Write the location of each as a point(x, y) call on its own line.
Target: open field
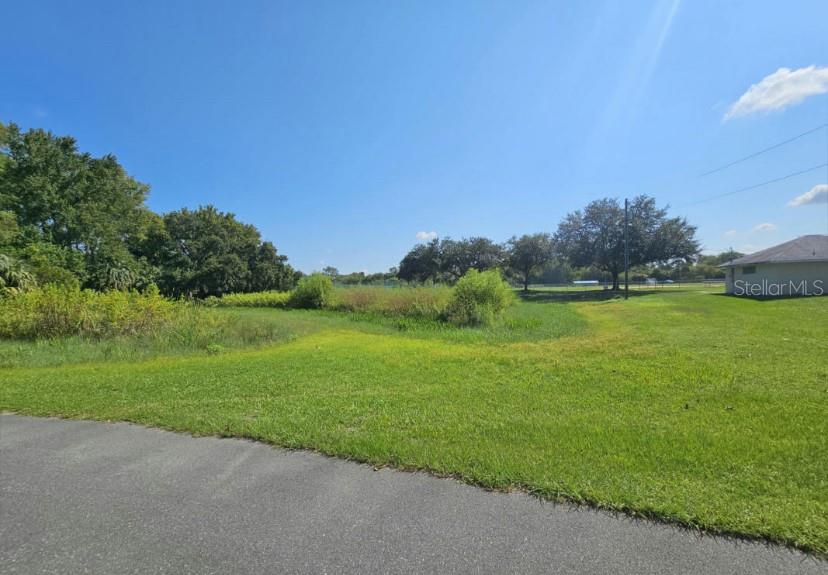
point(681, 404)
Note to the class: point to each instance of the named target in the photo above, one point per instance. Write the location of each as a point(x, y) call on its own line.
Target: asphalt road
point(84, 497)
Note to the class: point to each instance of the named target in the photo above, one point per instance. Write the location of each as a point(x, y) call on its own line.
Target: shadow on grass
point(550, 296)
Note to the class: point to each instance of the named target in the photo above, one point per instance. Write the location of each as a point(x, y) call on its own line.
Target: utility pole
point(626, 249)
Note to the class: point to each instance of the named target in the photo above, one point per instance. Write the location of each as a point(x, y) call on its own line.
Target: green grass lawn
point(681, 404)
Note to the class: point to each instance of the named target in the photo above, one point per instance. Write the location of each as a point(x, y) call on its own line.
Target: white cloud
point(816, 195)
point(783, 88)
point(730, 233)
point(766, 227)
point(425, 236)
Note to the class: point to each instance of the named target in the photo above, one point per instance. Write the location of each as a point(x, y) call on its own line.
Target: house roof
point(813, 248)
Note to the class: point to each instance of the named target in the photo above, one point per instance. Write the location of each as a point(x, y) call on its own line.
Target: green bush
point(256, 299)
point(54, 311)
point(478, 298)
point(215, 349)
point(312, 292)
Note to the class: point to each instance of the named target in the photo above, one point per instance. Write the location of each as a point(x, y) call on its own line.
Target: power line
point(754, 186)
point(760, 152)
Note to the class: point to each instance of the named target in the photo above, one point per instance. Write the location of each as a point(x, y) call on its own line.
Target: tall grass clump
point(257, 299)
point(54, 311)
point(478, 298)
point(414, 302)
point(312, 292)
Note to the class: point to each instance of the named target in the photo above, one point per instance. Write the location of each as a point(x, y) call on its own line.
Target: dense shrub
point(54, 311)
point(256, 299)
point(419, 302)
point(478, 298)
point(312, 292)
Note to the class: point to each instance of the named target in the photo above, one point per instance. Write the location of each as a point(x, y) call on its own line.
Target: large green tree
point(448, 260)
point(269, 270)
point(527, 254)
point(207, 252)
point(74, 213)
point(421, 263)
point(71, 218)
point(459, 256)
point(594, 236)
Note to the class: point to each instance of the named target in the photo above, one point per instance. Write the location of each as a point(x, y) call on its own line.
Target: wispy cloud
point(730, 233)
point(783, 88)
point(816, 195)
point(765, 227)
point(425, 236)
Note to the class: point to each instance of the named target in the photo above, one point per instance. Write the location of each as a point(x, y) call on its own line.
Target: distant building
point(797, 267)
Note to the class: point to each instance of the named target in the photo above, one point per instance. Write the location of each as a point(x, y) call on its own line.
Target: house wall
point(804, 278)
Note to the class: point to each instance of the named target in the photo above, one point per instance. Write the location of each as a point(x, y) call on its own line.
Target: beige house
point(797, 267)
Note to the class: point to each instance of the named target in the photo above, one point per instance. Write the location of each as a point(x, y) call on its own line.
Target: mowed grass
point(698, 408)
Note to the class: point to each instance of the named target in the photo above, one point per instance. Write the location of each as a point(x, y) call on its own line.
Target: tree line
point(69, 218)
point(592, 238)
point(361, 278)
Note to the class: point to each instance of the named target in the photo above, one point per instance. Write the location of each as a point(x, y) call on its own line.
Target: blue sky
point(342, 129)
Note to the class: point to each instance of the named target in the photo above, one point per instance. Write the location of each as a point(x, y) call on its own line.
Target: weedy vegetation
point(56, 325)
point(478, 299)
point(54, 311)
point(255, 299)
point(408, 302)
